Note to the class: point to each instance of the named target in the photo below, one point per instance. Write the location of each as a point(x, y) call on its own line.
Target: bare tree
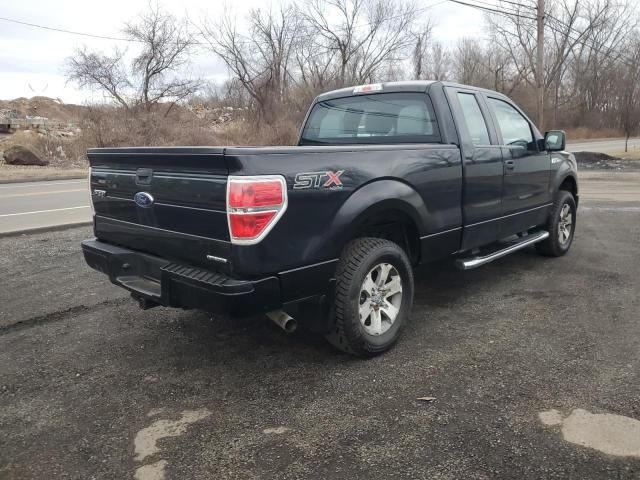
point(570, 28)
point(469, 62)
point(629, 91)
point(438, 66)
point(364, 35)
point(95, 70)
point(421, 49)
point(261, 60)
point(166, 45)
point(154, 74)
point(594, 70)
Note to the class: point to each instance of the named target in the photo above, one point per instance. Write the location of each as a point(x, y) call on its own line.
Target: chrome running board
point(477, 261)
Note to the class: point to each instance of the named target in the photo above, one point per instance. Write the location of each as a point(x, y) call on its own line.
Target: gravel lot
point(88, 382)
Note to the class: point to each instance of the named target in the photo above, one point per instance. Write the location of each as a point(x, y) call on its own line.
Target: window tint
point(377, 118)
point(514, 127)
point(474, 119)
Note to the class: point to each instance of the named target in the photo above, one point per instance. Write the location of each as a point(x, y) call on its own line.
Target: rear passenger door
point(526, 196)
point(483, 168)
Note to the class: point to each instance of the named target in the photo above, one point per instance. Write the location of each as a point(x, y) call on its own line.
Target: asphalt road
point(611, 145)
point(30, 205)
point(93, 388)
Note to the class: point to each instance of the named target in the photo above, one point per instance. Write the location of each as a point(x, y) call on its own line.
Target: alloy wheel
point(565, 224)
point(380, 299)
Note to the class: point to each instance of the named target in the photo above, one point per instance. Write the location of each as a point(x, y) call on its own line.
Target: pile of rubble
point(12, 121)
point(8, 113)
point(602, 161)
point(216, 115)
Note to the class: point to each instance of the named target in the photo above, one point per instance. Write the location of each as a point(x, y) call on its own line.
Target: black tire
point(553, 246)
point(358, 259)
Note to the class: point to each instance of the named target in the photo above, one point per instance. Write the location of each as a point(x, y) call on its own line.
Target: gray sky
point(31, 59)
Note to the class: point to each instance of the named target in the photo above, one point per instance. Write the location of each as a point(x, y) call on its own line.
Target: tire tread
point(354, 255)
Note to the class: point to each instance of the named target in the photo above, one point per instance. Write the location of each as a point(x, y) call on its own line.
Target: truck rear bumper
point(182, 286)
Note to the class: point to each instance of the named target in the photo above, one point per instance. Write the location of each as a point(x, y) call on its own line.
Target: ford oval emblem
point(143, 199)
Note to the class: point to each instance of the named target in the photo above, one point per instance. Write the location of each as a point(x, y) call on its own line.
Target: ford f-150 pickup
point(326, 233)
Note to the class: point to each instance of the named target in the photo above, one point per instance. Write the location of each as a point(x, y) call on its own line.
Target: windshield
point(377, 118)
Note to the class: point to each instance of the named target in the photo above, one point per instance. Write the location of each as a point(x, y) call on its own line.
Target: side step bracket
point(476, 261)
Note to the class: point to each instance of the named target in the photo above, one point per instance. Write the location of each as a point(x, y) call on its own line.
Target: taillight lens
point(254, 205)
point(243, 194)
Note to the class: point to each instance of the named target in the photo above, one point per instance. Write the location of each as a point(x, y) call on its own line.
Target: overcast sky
point(31, 59)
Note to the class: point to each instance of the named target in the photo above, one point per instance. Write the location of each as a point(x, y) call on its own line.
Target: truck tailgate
point(169, 202)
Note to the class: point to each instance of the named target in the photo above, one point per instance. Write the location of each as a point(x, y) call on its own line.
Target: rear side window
point(515, 129)
point(378, 118)
point(474, 119)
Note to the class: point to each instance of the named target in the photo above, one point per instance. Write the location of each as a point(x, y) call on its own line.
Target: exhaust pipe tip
point(144, 303)
point(283, 320)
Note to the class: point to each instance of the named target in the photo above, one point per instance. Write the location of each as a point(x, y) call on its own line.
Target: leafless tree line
point(279, 58)
point(153, 77)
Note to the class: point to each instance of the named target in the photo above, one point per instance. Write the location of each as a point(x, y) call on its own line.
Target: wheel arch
point(385, 208)
point(570, 184)
point(565, 178)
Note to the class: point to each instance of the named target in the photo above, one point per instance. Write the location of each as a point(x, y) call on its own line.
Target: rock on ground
point(20, 155)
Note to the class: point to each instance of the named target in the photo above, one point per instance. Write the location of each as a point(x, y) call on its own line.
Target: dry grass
point(62, 165)
point(246, 133)
point(12, 173)
point(62, 152)
point(110, 127)
point(114, 127)
point(632, 154)
point(586, 133)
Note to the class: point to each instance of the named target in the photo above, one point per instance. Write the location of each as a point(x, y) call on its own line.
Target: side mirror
point(555, 140)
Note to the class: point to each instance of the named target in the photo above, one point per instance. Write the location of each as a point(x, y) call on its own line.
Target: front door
point(483, 168)
point(527, 170)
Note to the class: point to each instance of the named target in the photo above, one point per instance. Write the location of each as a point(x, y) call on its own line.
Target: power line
point(520, 5)
point(490, 7)
point(628, 62)
point(119, 39)
point(505, 13)
point(61, 30)
point(493, 10)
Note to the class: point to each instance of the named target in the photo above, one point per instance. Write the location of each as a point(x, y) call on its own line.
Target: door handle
point(509, 164)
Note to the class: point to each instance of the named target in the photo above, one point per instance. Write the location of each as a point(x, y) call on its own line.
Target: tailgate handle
point(144, 176)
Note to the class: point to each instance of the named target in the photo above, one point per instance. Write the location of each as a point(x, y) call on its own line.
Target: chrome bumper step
point(476, 261)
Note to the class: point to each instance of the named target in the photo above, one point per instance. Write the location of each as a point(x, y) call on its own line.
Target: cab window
point(474, 119)
point(514, 127)
point(378, 118)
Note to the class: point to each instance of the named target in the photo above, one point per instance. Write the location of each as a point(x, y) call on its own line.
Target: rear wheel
point(374, 293)
point(561, 226)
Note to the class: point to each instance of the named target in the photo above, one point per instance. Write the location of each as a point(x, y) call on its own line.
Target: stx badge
point(326, 179)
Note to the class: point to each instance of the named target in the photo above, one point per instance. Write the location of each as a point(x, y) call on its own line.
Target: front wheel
point(374, 294)
point(561, 226)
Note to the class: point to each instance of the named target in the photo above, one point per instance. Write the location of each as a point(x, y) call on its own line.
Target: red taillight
point(254, 205)
point(248, 194)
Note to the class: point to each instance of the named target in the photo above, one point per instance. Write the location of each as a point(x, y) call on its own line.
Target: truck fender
point(566, 172)
point(375, 197)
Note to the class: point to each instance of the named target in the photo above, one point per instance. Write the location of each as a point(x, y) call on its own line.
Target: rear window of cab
point(379, 118)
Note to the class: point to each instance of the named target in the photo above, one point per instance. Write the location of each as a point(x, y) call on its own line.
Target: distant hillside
point(44, 107)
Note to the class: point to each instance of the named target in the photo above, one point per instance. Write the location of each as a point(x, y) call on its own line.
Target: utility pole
point(540, 66)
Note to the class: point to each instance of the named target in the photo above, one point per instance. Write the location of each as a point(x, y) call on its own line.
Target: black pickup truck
point(385, 177)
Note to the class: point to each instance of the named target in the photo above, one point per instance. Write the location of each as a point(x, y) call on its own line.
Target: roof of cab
point(406, 86)
point(410, 86)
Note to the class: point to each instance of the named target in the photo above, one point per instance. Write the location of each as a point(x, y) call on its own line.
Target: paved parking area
point(529, 362)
